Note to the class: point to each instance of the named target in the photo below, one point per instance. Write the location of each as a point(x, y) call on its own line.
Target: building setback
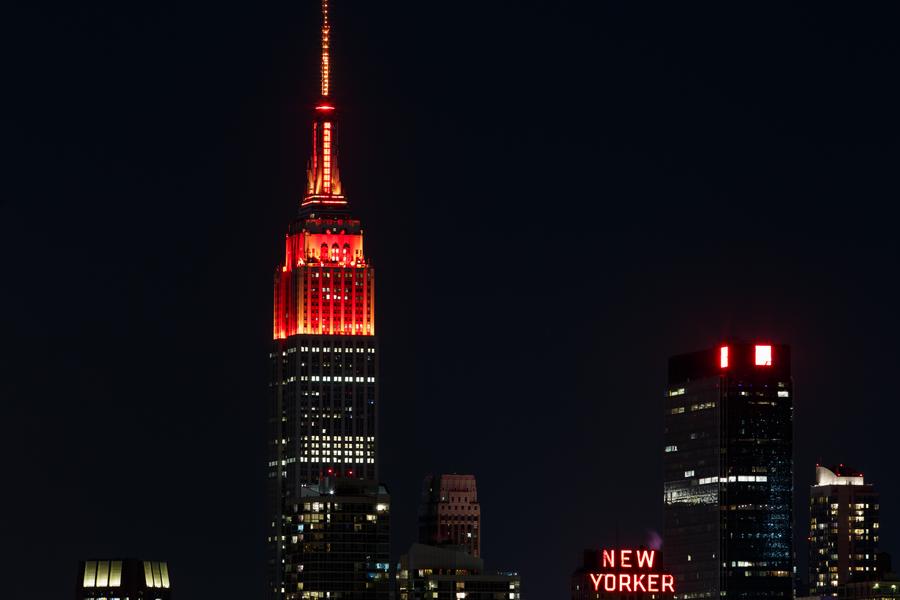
point(449, 513)
point(843, 530)
point(123, 578)
point(728, 472)
point(323, 404)
point(338, 542)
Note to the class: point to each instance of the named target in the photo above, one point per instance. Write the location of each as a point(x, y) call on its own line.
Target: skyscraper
point(728, 472)
point(323, 417)
point(449, 514)
point(843, 530)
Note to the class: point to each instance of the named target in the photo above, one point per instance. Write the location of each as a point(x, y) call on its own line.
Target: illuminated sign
point(723, 357)
point(632, 571)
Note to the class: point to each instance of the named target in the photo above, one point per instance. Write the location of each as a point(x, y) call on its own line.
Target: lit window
point(764, 356)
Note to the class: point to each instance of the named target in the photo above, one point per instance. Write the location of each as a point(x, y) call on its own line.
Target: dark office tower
point(324, 399)
point(843, 530)
point(728, 472)
point(123, 579)
point(449, 514)
point(338, 542)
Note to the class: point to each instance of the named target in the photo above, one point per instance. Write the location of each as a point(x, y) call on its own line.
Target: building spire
point(323, 179)
point(326, 62)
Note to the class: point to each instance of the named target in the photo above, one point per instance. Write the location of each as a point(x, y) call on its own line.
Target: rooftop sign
point(632, 571)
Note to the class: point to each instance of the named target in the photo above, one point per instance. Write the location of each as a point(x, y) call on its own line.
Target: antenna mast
point(326, 32)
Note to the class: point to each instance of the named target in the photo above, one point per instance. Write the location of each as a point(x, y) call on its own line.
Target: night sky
point(557, 196)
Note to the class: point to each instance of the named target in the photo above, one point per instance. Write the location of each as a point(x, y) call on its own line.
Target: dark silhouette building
point(843, 530)
point(449, 513)
point(122, 579)
point(338, 542)
point(728, 472)
point(447, 573)
point(323, 406)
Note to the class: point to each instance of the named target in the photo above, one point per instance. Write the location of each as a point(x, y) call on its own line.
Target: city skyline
point(721, 179)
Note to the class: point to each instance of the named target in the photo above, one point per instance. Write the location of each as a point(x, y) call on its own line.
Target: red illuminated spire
point(325, 286)
point(326, 66)
point(323, 181)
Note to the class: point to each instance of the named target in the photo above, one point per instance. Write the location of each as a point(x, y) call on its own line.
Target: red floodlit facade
point(325, 286)
point(323, 417)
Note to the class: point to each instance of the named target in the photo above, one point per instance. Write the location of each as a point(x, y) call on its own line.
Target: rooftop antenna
point(326, 62)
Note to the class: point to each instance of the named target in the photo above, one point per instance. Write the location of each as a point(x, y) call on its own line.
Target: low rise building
point(447, 573)
point(123, 579)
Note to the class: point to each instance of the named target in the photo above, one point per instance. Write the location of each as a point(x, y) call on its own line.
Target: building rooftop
point(839, 475)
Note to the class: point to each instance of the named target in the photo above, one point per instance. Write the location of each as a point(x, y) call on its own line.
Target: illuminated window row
point(338, 349)
point(336, 378)
point(340, 438)
point(102, 573)
point(336, 445)
point(327, 452)
point(324, 459)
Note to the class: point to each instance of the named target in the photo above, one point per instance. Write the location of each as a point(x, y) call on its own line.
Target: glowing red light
point(324, 107)
point(764, 356)
point(723, 357)
point(326, 157)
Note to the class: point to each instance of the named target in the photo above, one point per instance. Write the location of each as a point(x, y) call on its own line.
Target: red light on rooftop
point(763, 356)
point(723, 357)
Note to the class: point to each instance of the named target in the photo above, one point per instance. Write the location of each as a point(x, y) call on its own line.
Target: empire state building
point(323, 417)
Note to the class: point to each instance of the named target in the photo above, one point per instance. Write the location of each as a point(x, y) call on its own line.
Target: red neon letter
point(723, 357)
point(609, 559)
point(668, 584)
point(625, 558)
point(609, 582)
point(653, 582)
point(645, 558)
point(764, 356)
point(639, 583)
point(624, 582)
point(595, 579)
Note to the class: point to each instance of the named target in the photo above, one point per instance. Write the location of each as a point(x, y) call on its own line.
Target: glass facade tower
point(728, 472)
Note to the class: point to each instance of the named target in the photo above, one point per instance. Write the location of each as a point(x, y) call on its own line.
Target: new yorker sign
point(633, 571)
